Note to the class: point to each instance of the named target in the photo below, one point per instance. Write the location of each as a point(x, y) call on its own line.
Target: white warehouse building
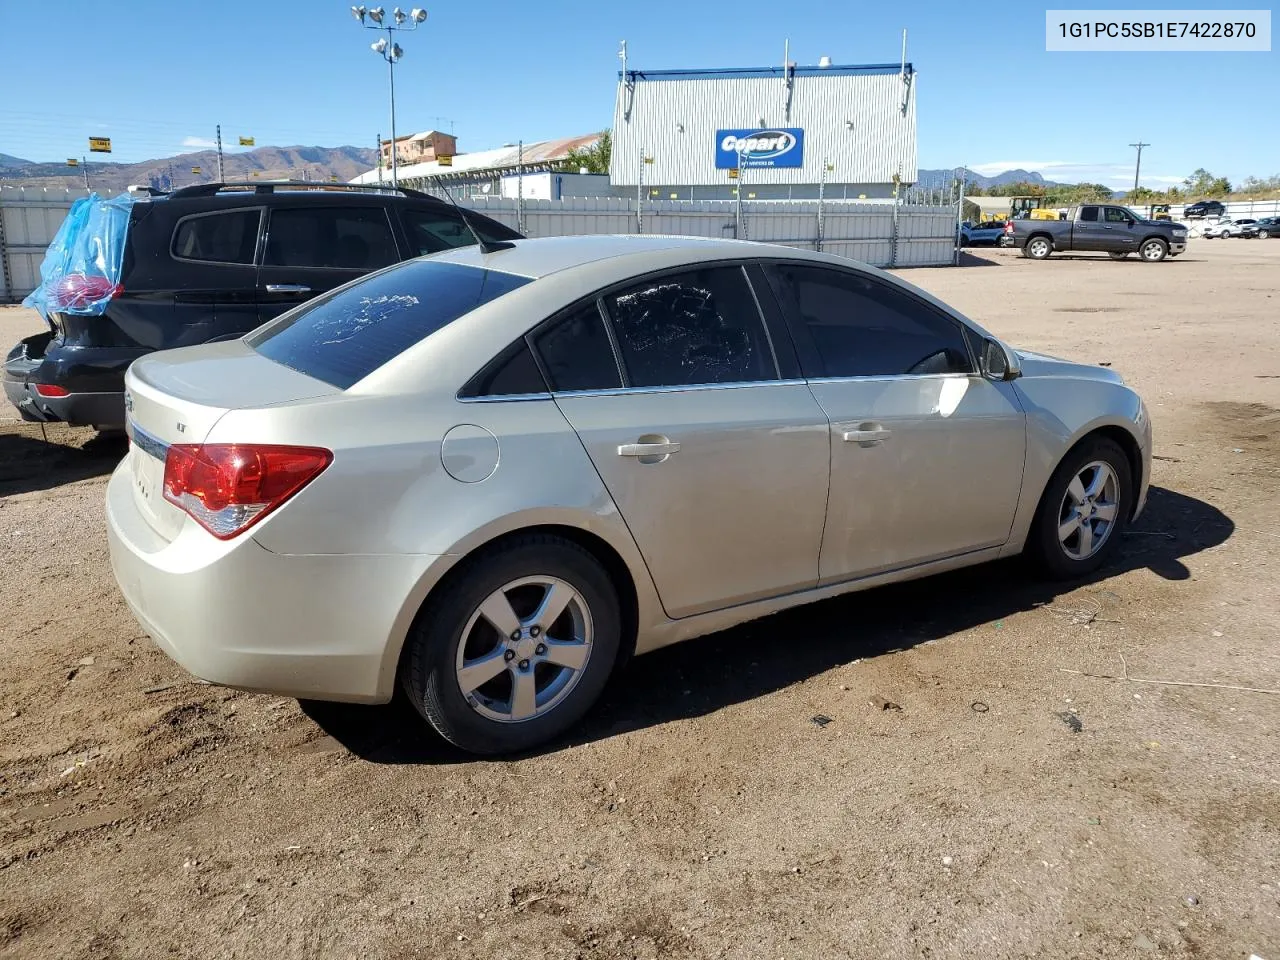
point(777, 132)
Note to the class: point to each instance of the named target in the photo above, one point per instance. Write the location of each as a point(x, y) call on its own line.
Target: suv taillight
point(1008, 226)
point(228, 487)
point(76, 291)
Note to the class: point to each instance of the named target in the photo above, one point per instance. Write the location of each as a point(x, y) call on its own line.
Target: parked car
point(205, 263)
point(1268, 227)
point(1204, 208)
point(488, 478)
point(1115, 230)
point(1223, 229)
point(980, 234)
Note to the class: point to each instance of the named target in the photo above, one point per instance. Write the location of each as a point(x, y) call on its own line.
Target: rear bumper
point(92, 376)
point(233, 613)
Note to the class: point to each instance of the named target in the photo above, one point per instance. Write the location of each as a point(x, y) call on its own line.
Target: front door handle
point(872, 434)
point(288, 288)
point(660, 448)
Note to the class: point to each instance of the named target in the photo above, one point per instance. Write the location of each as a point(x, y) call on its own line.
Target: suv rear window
point(344, 337)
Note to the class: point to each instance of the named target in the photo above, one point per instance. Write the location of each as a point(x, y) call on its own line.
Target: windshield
point(344, 337)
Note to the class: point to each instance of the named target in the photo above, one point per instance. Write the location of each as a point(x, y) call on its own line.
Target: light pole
point(390, 51)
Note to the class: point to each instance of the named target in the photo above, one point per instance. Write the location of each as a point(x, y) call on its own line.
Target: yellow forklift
point(1030, 208)
point(1159, 211)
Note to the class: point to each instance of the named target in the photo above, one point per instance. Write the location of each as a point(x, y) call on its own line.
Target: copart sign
point(779, 147)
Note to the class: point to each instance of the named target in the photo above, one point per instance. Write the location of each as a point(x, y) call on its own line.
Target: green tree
point(594, 158)
point(1205, 184)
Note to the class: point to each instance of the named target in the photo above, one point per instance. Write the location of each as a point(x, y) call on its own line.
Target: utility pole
point(84, 164)
point(1138, 169)
point(221, 178)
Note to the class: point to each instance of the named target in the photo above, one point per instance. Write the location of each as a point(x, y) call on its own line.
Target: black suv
point(212, 262)
point(1204, 208)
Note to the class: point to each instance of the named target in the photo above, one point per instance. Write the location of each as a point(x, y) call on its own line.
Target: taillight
point(228, 487)
point(76, 291)
point(1008, 226)
point(50, 390)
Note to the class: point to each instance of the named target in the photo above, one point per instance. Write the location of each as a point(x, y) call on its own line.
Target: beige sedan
point(490, 475)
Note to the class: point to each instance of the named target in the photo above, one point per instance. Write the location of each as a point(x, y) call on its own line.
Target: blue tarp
point(81, 268)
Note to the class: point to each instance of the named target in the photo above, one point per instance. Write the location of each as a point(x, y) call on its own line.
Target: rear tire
point(485, 719)
point(1066, 556)
point(1038, 248)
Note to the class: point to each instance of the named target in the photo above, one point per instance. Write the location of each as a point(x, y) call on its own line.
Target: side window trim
point(806, 347)
point(623, 377)
point(258, 243)
point(780, 337)
point(265, 238)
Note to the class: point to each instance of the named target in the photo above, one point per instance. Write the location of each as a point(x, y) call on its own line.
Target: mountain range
point(267, 163)
point(942, 178)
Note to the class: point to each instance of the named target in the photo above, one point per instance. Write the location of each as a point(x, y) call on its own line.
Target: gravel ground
point(1004, 808)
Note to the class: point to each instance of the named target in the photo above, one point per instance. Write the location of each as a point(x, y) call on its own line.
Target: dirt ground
point(1009, 808)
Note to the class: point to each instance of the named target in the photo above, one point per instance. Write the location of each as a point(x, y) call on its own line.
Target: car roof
point(541, 257)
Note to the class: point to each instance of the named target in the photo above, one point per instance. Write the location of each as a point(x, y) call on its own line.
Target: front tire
point(1083, 511)
point(1263, 234)
point(1154, 250)
point(516, 647)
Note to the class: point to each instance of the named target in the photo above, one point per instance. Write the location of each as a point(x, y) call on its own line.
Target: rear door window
point(344, 337)
point(1089, 214)
point(351, 238)
point(699, 327)
point(230, 236)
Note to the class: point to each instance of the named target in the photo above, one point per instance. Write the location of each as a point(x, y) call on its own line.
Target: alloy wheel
point(1089, 510)
point(1153, 250)
point(524, 649)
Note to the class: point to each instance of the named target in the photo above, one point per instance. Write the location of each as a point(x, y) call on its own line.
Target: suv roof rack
point(270, 186)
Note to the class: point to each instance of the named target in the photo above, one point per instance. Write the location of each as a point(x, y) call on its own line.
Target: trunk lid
point(176, 396)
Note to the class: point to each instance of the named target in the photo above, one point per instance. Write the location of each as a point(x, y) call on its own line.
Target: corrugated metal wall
point(854, 121)
point(863, 231)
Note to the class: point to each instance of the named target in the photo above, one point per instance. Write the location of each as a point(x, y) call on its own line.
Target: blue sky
point(156, 78)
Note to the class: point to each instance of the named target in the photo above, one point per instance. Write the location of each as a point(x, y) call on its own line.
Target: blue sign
point(780, 147)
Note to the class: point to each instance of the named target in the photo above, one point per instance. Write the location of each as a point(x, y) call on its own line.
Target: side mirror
point(999, 362)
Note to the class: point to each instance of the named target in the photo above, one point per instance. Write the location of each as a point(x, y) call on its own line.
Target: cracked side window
point(699, 327)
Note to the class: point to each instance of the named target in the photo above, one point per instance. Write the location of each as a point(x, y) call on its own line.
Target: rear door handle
point(876, 434)
point(659, 449)
point(288, 288)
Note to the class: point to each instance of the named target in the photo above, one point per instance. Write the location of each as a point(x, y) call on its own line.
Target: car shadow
point(1102, 257)
point(30, 462)
point(970, 259)
point(704, 675)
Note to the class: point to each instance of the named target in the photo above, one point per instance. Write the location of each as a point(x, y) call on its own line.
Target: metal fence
point(882, 233)
point(29, 217)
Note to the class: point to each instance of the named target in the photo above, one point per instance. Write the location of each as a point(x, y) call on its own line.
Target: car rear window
point(344, 337)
